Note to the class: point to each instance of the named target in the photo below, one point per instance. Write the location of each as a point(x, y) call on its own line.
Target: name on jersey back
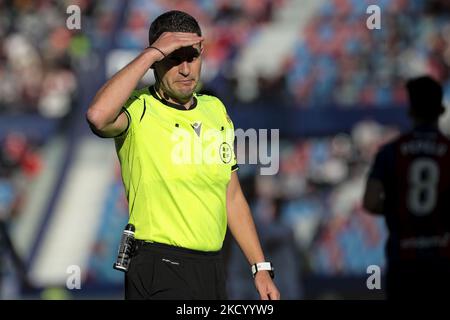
point(429, 147)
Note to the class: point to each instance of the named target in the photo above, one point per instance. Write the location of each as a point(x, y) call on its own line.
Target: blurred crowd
point(320, 185)
point(39, 58)
point(338, 61)
point(20, 161)
point(341, 62)
point(39, 54)
point(309, 216)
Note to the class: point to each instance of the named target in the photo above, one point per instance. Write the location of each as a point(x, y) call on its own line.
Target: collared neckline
point(171, 104)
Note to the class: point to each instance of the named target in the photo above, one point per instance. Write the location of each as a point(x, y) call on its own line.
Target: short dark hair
point(173, 21)
point(425, 96)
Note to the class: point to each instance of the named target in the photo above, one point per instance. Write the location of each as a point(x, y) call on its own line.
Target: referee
point(179, 202)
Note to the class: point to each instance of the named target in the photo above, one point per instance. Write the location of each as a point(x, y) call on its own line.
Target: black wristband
point(158, 50)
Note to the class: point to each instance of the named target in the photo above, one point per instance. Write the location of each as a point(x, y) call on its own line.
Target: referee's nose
point(184, 68)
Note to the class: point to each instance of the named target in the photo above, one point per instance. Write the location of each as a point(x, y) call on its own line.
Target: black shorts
point(162, 272)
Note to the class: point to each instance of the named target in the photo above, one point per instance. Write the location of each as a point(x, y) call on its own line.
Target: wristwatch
point(267, 266)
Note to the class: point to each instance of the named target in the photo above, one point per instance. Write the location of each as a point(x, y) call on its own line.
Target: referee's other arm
point(243, 229)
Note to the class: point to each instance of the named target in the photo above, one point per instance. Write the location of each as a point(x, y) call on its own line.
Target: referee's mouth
point(185, 83)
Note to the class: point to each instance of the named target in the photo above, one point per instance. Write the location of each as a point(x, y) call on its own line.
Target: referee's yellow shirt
point(176, 164)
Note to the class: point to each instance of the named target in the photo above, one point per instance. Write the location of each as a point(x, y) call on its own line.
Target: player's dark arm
point(373, 200)
point(243, 229)
point(105, 114)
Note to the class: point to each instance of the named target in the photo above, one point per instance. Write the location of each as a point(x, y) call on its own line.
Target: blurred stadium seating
point(332, 87)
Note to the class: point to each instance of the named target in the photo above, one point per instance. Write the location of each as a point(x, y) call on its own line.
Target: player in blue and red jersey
point(409, 184)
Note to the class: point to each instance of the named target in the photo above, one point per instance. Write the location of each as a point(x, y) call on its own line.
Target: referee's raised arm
point(104, 114)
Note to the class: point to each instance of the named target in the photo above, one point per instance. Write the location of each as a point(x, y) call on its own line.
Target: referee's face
point(179, 73)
